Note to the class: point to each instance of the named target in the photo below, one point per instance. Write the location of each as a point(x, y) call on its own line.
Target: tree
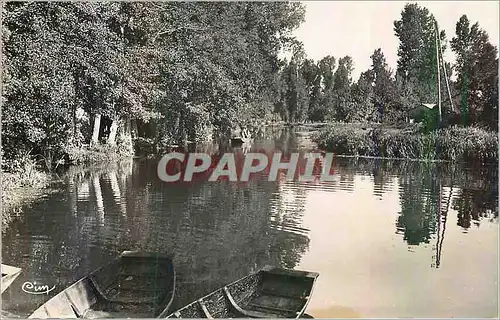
point(342, 81)
point(477, 73)
point(177, 70)
point(322, 102)
point(54, 53)
point(387, 95)
point(362, 95)
point(297, 95)
point(312, 77)
point(417, 61)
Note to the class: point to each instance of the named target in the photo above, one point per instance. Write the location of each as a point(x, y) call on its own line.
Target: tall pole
point(445, 75)
point(438, 71)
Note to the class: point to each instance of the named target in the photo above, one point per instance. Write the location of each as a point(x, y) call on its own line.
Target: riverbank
point(25, 180)
point(23, 183)
point(469, 144)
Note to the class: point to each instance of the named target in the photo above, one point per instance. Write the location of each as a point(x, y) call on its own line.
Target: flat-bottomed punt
point(134, 285)
point(268, 293)
point(9, 274)
point(240, 140)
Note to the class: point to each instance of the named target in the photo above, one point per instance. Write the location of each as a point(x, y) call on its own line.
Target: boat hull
point(268, 293)
point(9, 274)
point(240, 140)
point(138, 285)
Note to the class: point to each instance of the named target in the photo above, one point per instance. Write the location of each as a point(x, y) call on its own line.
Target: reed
point(22, 182)
point(448, 144)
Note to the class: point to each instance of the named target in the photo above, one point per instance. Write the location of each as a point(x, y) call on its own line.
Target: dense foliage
point(454, 143)
point(158, 73)
point(172, 71)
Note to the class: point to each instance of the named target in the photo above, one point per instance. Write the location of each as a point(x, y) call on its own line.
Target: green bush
point(99, 153)
point(21, 180)
point(144, 146)
point(450, 144)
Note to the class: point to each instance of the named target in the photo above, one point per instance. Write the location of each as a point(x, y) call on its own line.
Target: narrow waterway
point(389, 238)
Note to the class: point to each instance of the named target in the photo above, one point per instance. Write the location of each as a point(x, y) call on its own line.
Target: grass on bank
point(447, 144)
point(99, 153)
point(21, 184)
point(25, 179)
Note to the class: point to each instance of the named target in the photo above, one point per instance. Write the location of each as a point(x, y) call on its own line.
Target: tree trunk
point(74, 137)
point(126, 134)
point(112, 132)
point(75, 107)
point(127, 130)
point(95, 133)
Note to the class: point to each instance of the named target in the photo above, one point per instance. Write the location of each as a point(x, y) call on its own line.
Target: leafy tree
point(312, 77)
point(48, 66)
point(177, 70)
point(342, 81)
point(477, 73)
point(324, 94)
point(296, 94)
point(362, 95)
point(384, 93)
point(416, 31)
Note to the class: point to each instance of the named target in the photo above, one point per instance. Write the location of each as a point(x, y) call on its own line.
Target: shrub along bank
point(25, 178)
point(449, 144)
point(21, 184)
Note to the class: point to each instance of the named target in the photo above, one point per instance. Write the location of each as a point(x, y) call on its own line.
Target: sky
point(357, 28)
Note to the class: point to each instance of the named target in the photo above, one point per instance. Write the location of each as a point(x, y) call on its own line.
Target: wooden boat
point(241, 137)
point(240, 140)
point(9, 274)
point(268, 293)
point(135, 285)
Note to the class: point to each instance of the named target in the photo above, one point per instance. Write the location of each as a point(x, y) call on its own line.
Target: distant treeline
point(77, 74)
point(324, 90)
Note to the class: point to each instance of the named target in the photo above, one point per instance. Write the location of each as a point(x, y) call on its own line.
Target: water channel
point(389, 238)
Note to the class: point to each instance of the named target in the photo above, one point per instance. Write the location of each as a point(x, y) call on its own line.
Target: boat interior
point(142, 287)
point(266, 294)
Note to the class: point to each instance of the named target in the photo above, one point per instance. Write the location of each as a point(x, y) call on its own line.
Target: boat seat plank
point(205, 309)
point(247, 313)
point(281, 294)
point(292, 273)
point(129, 300)
point(272, 308)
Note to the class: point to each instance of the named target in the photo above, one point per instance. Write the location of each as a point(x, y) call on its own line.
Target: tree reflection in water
point(427, 194)
point(221, 231)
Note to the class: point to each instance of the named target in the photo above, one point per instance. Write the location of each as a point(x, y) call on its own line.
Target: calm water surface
point(389, 239)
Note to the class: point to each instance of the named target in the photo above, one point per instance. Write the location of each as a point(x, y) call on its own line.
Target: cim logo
point(33, 288)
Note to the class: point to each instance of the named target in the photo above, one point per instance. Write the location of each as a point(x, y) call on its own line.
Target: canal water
point(388, 238)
